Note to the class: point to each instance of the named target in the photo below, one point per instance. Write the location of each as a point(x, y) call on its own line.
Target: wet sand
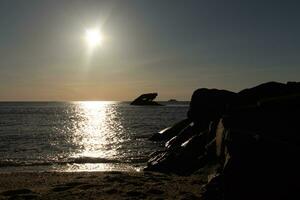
point(99, 185)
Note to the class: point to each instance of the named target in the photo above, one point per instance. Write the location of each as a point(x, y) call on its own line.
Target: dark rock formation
point(185, 134)
point(188, 150)
point(269, 90)
point(170, 132)
point(261, 147)
point(209, 104)
point(251, 137)
point(182, 160)
point(205, 106)
point(146, 100)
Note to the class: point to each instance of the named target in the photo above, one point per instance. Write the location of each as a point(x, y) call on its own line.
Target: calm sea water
point(81, 136)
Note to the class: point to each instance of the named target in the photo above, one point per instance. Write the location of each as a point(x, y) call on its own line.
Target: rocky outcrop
point(182, 156)
point(146, 100)
point(269, 90)
point(189, 148)
point(261, 147)
point(209, 104)
point(251, 137)
point(170, 132)
point(206, 105)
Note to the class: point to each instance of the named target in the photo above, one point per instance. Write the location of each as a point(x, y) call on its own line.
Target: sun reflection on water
point(98, 134)
point(94, 133)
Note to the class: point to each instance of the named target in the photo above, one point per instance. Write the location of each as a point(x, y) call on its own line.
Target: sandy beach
point(99, 185)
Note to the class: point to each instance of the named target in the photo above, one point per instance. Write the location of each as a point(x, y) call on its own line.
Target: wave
point(79, 160)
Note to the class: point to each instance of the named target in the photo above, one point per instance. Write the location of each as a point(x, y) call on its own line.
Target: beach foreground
point(99, 185)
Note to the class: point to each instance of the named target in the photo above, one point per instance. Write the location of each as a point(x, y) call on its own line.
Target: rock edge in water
point(146, 100)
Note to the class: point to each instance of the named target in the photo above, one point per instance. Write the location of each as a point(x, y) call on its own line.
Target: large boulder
point(255, 144)
point(262, 147)
point(146, 100)
point(209, 104)
point(193, 138)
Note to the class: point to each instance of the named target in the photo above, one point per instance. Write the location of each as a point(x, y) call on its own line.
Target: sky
point(170, 47)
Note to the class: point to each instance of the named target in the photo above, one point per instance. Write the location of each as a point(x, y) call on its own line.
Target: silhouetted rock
point(188, 150)
point(170, 132)
point(183, 160)
point(269, 90)
point(261, 144)
point(185, 134)
point(184, 154)
point(146, 100)
point(251, 137)
point(209, 104)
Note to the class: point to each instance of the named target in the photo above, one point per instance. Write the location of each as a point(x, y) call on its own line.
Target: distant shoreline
point(166, 101)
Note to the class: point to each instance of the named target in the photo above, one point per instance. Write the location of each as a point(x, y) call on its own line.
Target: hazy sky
point(170, 47)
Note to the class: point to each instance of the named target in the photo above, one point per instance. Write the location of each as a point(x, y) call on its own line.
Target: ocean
point(81, 136)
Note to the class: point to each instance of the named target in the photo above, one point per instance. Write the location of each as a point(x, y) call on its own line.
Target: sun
point(93, 37)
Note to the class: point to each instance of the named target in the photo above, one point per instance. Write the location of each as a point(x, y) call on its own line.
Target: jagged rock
point(189, 131)
point(146, 100)
point(183, 136)
point(183, 160)
point(170, 132)
point(256, 141)
point(184, 154)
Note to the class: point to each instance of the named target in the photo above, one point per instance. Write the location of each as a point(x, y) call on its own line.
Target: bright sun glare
point(93, 37)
